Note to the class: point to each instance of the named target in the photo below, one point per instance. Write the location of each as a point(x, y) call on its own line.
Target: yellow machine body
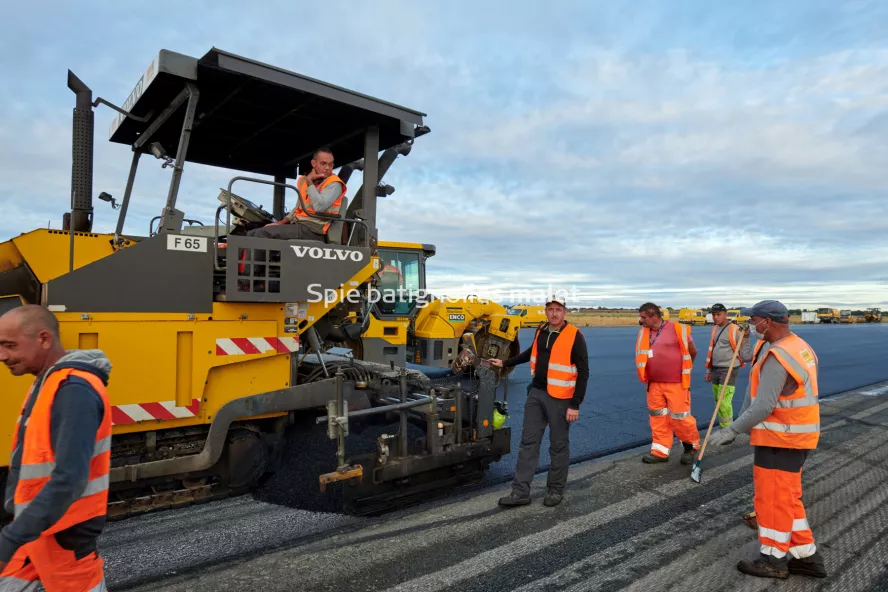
point(157, 358)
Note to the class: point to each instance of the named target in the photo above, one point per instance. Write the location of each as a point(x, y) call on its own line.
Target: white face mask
point(754, 332)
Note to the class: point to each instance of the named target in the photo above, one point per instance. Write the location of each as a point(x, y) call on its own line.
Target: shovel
point(697, 472)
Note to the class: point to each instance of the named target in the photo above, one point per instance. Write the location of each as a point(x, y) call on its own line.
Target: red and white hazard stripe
point(163, 410)
point(238, 346)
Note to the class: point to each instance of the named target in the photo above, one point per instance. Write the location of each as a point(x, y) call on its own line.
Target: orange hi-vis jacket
point(333, 210)
point(561, 377)
point(733, 333)
point(643, 352)
point(38, 458)
point(795, 421)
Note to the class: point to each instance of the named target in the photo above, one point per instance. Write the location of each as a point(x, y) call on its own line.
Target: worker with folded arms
point(57, 486)
point(559, 367)
point(664, 359)
point(782, 416)
point(722, 343)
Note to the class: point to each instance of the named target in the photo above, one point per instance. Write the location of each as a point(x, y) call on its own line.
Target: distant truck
point(829, 315)
point(691, 316)
point(528, 315)
point(809, 317)
point(734, 315)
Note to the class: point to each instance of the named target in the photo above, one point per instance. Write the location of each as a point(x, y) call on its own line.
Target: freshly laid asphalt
point(193, 545)
point(623, 525)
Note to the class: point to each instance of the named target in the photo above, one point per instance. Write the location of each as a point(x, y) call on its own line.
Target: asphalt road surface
point(623, 525)
point(190, 540)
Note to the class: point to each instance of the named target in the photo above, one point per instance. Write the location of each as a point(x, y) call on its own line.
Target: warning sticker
point(807, 356)
point(295, 310)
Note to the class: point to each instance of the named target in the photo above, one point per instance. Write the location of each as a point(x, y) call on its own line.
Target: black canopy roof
point(257, 118)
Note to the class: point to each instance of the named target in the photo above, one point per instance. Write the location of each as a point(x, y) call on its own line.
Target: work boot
point(687, 457)
point(552, 499)
point(764, 567)
point(651, 459)
point(808, 566)
point(513, 500)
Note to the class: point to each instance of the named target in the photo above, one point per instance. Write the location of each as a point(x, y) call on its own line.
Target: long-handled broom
point(697, 472)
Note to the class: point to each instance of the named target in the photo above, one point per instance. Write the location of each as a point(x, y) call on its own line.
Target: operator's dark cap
point(719, 308)
point(767, 309)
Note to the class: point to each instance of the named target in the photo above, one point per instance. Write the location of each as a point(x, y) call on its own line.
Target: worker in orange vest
point(559, 369)
point(321, 192)
point(664, 359)
point(782, 416)
point(722, 343)
point(57, 487)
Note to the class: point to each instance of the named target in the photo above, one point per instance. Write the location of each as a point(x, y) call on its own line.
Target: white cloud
point(573, 151)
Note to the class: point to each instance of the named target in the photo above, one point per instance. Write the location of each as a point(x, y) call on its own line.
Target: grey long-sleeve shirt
point(722, 352)
point(773, 382)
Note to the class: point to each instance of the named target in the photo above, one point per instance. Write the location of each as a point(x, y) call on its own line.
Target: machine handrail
point(227, 205)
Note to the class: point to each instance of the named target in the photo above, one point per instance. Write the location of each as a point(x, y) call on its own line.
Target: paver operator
point(321, 192)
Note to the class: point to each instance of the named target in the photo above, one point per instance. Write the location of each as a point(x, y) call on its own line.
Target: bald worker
point(57, 487)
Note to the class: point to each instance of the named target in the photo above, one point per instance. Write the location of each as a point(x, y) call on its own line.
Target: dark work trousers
point(287, 231)
point(540, 410)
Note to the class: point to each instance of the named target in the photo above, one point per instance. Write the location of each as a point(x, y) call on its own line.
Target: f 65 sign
point(178, 242)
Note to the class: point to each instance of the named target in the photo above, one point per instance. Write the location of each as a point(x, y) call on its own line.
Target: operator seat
point(337, 234)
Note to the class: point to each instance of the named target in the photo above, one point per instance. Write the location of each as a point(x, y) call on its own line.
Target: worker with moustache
point(781, 413)
point(664, 359)
point(57, 486)
point(321, 192)
point(722, 343)
point(559, 367)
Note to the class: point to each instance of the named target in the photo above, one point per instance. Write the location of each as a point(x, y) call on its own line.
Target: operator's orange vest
point(38, 458)
point(795, 421)
point(643, 349)
point(561, 377)
point(333, 210)
point(733, 332)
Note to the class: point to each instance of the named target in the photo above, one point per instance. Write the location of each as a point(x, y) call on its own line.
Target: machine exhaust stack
point(385, 162)
point(82, 159)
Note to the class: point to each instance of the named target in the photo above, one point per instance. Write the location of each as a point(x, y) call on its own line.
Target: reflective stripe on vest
point(333, 210)
point(561, 376)
point(795, 421)
point(643, 351)
point(38, 459)
point(733, 332)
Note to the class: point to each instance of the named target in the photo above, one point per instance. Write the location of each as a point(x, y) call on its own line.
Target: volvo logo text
point(328, 253)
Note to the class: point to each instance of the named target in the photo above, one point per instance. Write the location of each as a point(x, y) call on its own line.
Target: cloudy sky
point(681, 152)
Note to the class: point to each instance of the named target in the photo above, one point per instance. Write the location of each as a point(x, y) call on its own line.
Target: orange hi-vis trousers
point(46, 562)
point(782, 523)
point(669, 406)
